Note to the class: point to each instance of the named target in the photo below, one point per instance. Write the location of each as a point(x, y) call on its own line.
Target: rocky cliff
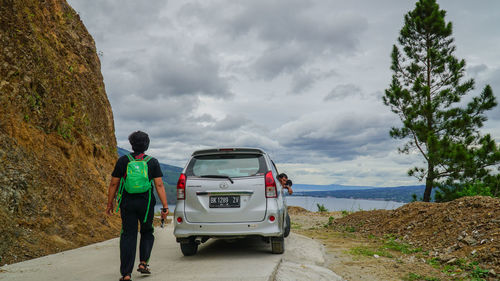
point(57, 142)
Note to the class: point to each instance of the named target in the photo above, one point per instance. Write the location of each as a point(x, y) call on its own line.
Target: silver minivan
point(230, 193)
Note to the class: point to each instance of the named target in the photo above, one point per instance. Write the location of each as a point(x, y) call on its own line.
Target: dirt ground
point(458, 240)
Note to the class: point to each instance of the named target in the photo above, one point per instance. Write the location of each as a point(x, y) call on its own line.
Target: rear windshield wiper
point(218, 176)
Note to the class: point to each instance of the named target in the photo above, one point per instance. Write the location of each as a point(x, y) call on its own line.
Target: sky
point(301, 79)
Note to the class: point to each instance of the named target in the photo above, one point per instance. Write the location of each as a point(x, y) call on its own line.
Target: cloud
point(302, 34)
point(195, 74)
point(301, 79)
point(278, 60)
point(111, 18)
point(343, 91)
point(476, 69)
point(231, 123)
point(136, 108)
point(343, 137)
point(164, 72)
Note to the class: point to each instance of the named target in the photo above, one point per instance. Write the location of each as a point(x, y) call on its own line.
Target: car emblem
point(223, 185)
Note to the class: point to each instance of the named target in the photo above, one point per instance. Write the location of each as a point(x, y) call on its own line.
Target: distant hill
point(398, 194)
point(170, 177)
point(330, 187)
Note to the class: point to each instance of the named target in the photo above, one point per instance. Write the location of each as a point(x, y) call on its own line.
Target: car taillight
point(272, 218)
point(181, 187)
point(179, 219)
point(270, 186)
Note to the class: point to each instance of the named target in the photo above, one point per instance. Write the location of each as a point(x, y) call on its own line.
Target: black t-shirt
point(154, 171)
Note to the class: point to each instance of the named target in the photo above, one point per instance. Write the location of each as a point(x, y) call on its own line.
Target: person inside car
point(285, 182)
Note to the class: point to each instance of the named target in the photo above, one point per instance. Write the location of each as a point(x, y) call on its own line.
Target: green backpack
point(136, 179)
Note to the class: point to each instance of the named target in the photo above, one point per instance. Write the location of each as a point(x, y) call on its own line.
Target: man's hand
point(164, 213)
point(109, 209)
point(113, 187)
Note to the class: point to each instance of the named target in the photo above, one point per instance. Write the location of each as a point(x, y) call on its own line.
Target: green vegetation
point(392, 244)
point(330, 221)
point(65, 129)
point(370, 252)
point(426, 92)
point(474, 271)
point(350, 229)
point(434, 262)
point(345, 213)
point(389, 243)
point(413, 276)
point(489, 186)
point(321, 208)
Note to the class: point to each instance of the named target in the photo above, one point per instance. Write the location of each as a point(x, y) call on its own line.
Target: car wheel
point(278, 245)
point(190, 248)
point(287, 228)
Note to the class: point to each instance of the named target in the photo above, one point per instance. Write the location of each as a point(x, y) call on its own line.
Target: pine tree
point(426, 89)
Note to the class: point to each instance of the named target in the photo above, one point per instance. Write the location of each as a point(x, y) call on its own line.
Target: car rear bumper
point(266, 228)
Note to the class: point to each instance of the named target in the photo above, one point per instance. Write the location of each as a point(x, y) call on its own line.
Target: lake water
point(340, 204)
point(331, 203)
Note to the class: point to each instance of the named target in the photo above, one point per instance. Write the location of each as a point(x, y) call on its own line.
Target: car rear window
point(231, 165)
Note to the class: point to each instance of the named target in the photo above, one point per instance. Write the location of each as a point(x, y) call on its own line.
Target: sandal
point(123, 278)
point(143, 268)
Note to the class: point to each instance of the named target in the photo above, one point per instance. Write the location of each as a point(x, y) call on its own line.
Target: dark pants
point(133, 209)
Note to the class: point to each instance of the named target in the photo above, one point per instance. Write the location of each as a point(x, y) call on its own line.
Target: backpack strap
point(146, 159)
point(122, 184)
point(149, 203)
point(130, 158)
point(119, 195)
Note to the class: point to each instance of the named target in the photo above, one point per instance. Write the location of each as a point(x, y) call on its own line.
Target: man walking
point(131, 183)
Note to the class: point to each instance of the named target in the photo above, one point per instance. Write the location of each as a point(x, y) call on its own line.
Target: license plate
point(224, 201)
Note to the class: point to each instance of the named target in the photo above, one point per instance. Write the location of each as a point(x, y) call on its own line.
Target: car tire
point(278, 245)
point(288, 225)
point(189, 249)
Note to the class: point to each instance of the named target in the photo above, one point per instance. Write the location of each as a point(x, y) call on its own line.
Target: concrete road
point(243, 259)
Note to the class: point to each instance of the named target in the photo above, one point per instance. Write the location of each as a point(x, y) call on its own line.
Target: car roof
point(224, 150)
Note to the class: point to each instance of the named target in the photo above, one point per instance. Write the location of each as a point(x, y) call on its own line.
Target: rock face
point(57, 141)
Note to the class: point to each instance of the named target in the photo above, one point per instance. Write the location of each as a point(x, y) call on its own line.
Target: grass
point(350, 229)
point(413, 276)
point(369, 252)
point(321, 208)
point(345, 213)
point(295, 225)
point(330, 221)
point(474, 271)
point(434, 262)
point(392, 244)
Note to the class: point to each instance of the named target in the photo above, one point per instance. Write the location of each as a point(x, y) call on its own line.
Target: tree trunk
point(429, 182)
point(428, 189)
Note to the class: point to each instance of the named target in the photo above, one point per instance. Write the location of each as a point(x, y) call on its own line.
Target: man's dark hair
point(282, 175)
point(139, 141)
